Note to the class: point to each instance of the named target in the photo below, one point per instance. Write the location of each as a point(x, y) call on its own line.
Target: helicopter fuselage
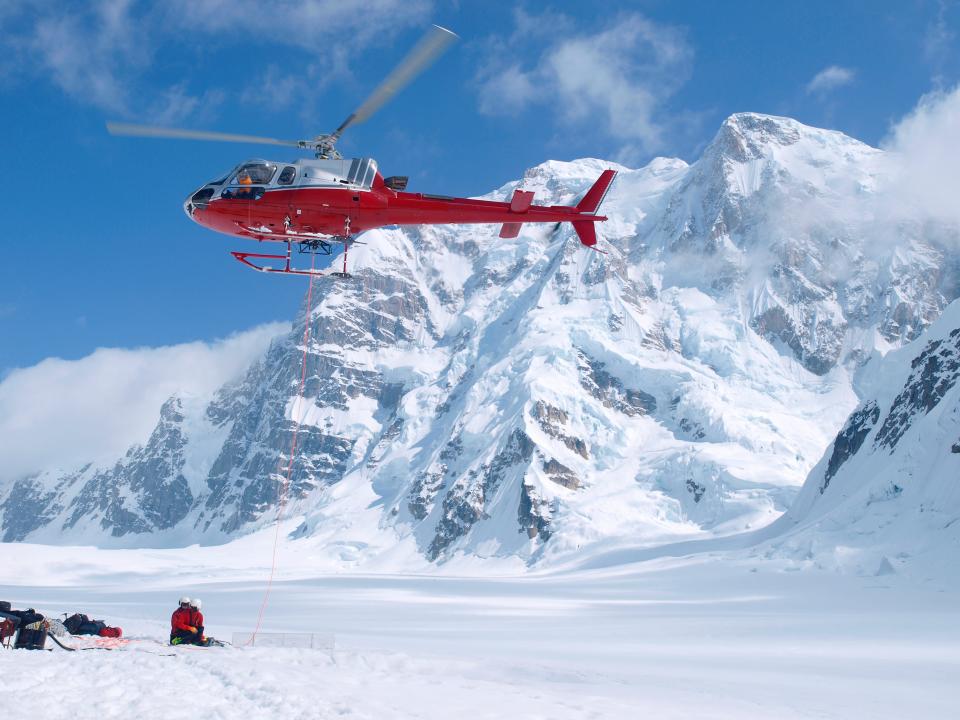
point(309, 199)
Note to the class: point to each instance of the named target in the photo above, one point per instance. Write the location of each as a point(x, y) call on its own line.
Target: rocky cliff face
point(530, 396)
point(887, 487)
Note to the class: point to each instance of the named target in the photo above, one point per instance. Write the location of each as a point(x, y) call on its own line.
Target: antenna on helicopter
point(436, 40)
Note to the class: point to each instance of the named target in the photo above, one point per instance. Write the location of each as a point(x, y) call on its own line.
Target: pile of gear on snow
point(28, 629)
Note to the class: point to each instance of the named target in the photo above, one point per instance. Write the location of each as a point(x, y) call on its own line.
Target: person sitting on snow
point(186, 623)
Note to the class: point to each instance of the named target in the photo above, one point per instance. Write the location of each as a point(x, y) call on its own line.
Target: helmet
point(195, 603)
point(184, 600)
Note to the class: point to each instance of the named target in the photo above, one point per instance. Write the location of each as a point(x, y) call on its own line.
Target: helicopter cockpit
point(246, 182)
point(251, 180)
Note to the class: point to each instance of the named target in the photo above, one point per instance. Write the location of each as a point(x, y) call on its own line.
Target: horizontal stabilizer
point(591, 201)
point(510, 230)
point(521, 201)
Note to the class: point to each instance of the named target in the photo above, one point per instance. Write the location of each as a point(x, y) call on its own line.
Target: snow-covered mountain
point(888, 487)
point(529, 396)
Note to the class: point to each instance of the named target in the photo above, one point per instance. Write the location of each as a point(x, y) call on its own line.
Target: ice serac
point(527, 397)
point(887, 488)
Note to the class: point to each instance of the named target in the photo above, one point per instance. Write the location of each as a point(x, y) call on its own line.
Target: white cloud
point(333, 35)
point(830, 79)
point(615, 81)
point(276, 88)
point(508, 93)
point(175, 104)
point(321, 26)
point(926, 156)
point(61, 413)
point(82, 53)
point(103, 53)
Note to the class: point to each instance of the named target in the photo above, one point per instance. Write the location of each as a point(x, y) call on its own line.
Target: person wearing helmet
point(186, 623)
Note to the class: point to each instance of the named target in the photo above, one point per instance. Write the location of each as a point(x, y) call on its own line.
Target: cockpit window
point(243, 192)
point(287, 175)
point(254, 174)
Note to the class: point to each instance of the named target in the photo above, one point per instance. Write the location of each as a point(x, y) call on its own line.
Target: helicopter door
point(361, 175)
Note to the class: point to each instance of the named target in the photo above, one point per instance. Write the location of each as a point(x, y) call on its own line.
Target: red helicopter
point(316, 202)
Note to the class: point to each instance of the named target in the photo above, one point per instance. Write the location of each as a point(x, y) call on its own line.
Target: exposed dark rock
point(452, 450)
point(695, 489)
point(692, 428)
point(934, 372)
point(818, 357)
point(464, 503)
point(849, 439)
point(424, 490)
point(561, 474)
point(609, 389)
point(144, 492)
point(550, 418)
point(548, 414)
point(247, 491)
point(534, 513)
point(27, 507)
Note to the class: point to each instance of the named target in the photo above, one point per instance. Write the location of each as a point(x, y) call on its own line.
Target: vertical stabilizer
point(591, 201)
point(587, 232)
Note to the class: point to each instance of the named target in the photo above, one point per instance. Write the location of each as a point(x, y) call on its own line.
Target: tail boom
point(582, 216)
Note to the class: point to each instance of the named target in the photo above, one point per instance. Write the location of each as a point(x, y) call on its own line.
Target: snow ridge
point(886, 488)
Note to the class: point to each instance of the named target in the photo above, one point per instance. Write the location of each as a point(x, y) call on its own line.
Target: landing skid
point(312, 247)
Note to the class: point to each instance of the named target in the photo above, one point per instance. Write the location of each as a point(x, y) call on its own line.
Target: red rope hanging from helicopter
point(283, 489)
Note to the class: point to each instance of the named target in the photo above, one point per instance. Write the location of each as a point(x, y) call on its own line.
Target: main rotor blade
point(434, 42)
point(181, 134)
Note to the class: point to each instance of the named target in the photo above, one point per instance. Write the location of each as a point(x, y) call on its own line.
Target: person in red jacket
point(186, 623)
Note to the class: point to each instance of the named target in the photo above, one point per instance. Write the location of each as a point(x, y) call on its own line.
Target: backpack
point(73, 623)
point(33, 630)
point(80, 624)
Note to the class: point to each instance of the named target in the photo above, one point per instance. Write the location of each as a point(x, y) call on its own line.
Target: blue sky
point(98, 252)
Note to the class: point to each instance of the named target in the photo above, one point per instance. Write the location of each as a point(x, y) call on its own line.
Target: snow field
point(714, 635)
point(279, 684)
